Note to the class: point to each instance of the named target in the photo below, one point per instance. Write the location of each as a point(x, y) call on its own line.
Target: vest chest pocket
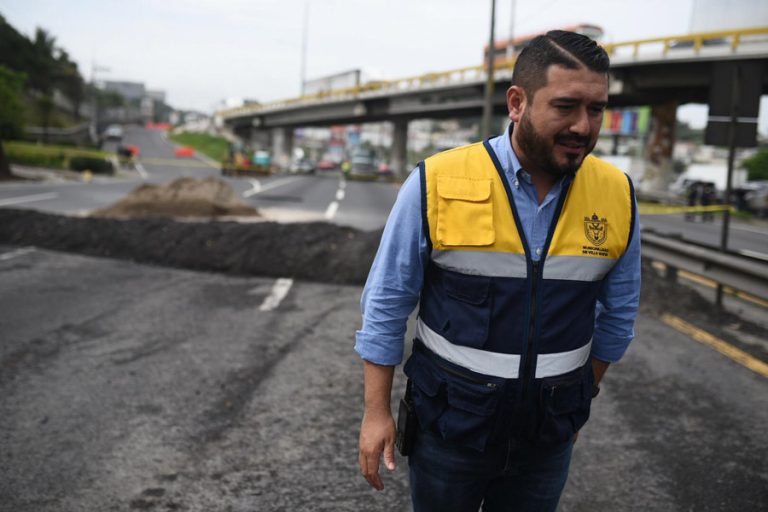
point(466, 309)
point(464, 212)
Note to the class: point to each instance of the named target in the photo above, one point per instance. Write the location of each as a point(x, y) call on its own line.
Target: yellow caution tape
point(661, 209)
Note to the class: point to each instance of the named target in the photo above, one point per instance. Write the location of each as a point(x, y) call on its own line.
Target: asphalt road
point(282, 197)
point(363, 205)
point(127, 387)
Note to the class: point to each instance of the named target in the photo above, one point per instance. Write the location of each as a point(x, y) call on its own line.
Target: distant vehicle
point(302, 166)
point(113, 132)
point(385, 171)
point(362, 164)
point(756, 197)
point(326, 165)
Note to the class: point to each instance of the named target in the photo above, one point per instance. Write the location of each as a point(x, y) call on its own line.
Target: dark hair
point(558, 47)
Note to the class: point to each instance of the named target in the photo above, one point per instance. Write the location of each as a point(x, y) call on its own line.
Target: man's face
point(556, 130)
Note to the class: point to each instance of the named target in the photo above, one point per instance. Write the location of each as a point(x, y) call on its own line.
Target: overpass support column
point(282, 147)
point(661, 144)
point(399, 148)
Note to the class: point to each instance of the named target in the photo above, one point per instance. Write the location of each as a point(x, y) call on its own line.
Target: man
point(524, 254)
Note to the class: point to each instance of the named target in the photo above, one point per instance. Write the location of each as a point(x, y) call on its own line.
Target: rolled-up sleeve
point(394, 283)
point(618, 301)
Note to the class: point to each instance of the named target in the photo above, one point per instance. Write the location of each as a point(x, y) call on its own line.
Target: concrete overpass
point(661, 72)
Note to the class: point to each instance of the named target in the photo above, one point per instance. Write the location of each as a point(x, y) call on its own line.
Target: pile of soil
point(183, 197)
point(315, 251)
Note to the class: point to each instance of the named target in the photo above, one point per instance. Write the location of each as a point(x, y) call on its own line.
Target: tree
point(757, 165)
point(12, 113)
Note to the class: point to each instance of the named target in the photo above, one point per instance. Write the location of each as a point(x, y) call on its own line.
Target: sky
point(204, 51)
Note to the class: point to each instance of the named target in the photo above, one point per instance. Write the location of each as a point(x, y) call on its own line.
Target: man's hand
point(377, 435)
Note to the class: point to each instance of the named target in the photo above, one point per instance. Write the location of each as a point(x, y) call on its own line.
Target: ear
point(516, 102)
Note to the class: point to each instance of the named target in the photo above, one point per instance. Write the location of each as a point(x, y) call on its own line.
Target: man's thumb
point(389, 455)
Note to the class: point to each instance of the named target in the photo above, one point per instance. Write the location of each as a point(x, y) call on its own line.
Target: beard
point(540, 152)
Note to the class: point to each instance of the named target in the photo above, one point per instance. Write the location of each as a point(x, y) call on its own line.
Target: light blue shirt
point(394, 283)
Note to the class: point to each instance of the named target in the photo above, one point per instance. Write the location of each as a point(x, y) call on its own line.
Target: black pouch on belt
point(406, 423)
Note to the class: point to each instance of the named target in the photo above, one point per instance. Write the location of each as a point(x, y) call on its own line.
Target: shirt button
point(538, 251)
point(517, 184)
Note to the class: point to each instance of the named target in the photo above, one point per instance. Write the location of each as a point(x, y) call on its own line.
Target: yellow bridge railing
point(477, 73)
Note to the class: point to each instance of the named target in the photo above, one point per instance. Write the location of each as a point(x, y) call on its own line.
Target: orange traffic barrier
point(157, 126)
point(184, 151)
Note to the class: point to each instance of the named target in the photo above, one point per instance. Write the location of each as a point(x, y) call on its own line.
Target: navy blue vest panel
point(566, 314)
point(487, 313)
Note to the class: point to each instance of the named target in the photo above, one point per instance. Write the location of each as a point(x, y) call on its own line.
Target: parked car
point(302, 166)
point(113, 132)
point(326, 165)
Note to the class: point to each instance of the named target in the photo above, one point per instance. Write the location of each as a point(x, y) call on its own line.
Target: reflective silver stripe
point(577, 268)
point(500, 365)
point(549, 365)
point(481, 361)
point(482, 263)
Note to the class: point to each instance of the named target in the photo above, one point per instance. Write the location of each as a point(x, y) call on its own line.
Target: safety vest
point(496, 330)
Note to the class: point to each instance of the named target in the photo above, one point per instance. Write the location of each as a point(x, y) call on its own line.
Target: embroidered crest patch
point(596, 229)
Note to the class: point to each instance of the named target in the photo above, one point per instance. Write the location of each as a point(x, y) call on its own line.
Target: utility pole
point(510, 44)
point(304, 47)
point(94, 101)
point(488, 105)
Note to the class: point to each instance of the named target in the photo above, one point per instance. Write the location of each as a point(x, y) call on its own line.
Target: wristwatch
point(595, 390)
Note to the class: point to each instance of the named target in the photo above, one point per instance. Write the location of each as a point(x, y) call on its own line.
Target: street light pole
point(488, 104)
point(304, 47)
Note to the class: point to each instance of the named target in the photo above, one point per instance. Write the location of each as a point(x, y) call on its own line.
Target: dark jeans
point(448, 478)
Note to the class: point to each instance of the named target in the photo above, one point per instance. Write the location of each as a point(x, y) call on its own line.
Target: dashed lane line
point(330, 212)
point(15, 254)
point(258, 189)
point(713, 342)
point(279, 291)
point(142, 172)
point(28, 199)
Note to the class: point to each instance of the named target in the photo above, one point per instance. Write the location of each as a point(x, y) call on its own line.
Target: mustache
point(572, 139)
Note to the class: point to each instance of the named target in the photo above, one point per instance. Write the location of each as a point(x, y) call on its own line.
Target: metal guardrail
point(749, 275)
point(477, 73)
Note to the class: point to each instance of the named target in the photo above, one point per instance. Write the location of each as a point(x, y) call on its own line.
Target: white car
point(113, 131)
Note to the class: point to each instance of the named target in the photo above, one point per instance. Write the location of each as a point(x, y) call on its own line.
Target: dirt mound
point(183, 197)
point(315, 251)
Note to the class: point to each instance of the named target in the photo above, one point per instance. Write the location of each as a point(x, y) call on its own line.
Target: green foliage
point(12, 111)
point(757, 165)
point(45, 66)
point(52, 157)
point(87, 163)
point(210, 145)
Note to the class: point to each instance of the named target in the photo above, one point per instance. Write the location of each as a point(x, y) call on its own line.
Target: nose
point(580, 124)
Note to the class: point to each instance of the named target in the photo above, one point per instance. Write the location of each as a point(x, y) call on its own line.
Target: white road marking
point(269, 186)
point(28, 199)
point(342, 184)
point(330, 212)
point(749, 229)
point(255, 188)
point(142, 172)
point(754, 254)
point(279, 291)
point(18, 252)
point(340, 194)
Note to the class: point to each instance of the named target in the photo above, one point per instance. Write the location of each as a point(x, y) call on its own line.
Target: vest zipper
point(531, 329)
